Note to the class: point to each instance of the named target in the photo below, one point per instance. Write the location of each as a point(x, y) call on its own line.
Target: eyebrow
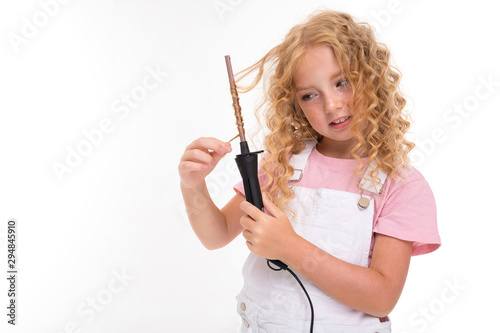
point(334, 76)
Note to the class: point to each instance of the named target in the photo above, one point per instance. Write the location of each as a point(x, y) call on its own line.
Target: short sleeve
point(409, 213)
point(238, 188)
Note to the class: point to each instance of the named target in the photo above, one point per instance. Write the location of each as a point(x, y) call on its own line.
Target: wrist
point(293, 249)
point(193, 189)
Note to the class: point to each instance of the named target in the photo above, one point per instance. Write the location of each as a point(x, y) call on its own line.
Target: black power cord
point(282, 266)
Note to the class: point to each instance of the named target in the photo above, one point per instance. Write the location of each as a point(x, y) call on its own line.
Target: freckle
point(315, 108)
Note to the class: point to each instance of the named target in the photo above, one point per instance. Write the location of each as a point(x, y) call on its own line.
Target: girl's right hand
point(200, 158)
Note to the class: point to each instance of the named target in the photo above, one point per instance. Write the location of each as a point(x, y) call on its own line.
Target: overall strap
point(299, 161)
point(366, 182)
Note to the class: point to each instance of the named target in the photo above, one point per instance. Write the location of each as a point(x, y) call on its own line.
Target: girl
point(344, 209)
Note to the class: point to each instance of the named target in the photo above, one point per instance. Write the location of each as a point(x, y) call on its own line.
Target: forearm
point(206, 219)
point(361, 288)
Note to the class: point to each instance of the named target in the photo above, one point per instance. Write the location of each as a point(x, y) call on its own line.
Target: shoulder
point(407, 191)
point(408, 177)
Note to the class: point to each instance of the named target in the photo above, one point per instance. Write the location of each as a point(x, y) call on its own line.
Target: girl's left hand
point(268, 235)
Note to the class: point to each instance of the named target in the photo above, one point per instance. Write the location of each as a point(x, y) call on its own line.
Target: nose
point(332, 102)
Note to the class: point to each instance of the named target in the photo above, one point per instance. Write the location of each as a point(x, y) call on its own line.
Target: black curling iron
point(248, 166)
point(247, 161)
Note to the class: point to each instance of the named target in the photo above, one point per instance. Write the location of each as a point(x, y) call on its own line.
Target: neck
point(336, 149)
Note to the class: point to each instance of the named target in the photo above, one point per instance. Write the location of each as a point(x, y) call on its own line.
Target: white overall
point(272, 301)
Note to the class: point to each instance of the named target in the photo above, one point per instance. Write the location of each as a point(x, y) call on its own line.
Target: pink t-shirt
point(405, 209)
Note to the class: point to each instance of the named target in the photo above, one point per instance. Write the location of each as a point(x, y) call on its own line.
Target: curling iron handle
point(247, 164)
point(253, 193)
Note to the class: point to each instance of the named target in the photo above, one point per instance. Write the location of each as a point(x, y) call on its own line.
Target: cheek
point(311, 110)
point(316, 108)
point(314, 115)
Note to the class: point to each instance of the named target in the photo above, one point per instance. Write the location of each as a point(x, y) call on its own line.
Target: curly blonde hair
point(379, 123)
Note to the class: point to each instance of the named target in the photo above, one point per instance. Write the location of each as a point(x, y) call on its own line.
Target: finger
point(247, 234)
point(197, 155)
point(216, 156)
point(208, 150)
point(247, 222)
point(201, 155)
point(188, 166)
point(213, 144)
point(270, 207)
point(250, 209)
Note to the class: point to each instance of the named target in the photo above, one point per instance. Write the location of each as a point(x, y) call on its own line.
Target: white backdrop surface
point(100, 98)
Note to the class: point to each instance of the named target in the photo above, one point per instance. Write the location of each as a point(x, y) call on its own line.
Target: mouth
point(341, 122)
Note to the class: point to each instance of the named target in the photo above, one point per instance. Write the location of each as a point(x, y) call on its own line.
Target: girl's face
point(323, 94)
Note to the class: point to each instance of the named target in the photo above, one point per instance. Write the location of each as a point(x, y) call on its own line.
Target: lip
point(341, 125)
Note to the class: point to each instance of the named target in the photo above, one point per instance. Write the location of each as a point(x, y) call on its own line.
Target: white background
point(118, 211)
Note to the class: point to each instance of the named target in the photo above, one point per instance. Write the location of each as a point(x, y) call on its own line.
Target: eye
point(307, 97)
point(342, 83)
